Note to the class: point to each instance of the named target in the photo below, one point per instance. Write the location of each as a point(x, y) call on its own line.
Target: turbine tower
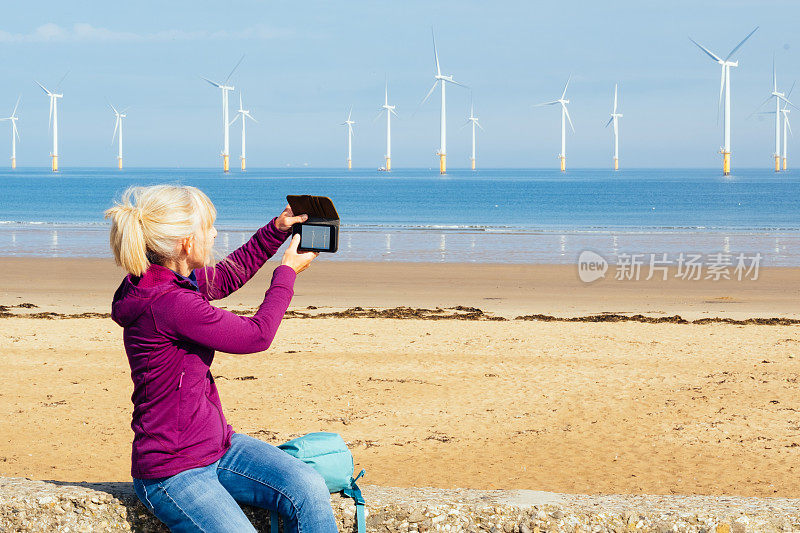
point(349, 123)
point(564, 118)
point(786, 126)
point(14, 133)
point(615, 121)
point(53, 121)
point(389, 112)
point(472, 118)
point(226, 153)
point(118, 130)
point(244, 114)
point(725, 87)
point(444, 80)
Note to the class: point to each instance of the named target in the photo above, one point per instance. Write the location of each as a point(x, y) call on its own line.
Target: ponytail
point(148, 223)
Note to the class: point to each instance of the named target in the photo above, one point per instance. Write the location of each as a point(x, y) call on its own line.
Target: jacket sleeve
point(189, 316)
point(235, 270)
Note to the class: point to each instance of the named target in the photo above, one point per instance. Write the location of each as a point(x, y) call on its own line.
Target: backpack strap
point(354, 492)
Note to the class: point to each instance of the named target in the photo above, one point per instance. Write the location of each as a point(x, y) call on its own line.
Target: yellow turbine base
point(777, 163)
point(442, 163)
point(726, 163)
point(784, 163)
point(388, 164)
point(119, 163)
point(563, 163)
point(473, 163)
point(349, 164)
point(616, 164)
point(13, 162)
point(55, 163)
point(226, 163)
point(244, 167)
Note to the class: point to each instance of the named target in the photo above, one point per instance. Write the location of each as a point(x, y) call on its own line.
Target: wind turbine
point(244, 114)
point(14, 133)
point(779, 97)
point(725, 86)
point(615, 121)
point(349, 123)
point(226, 154)
point(442, 153)
point(564, 118)
point(389, 112)
point(118, 129)
point(472, 118)
point(53, 120)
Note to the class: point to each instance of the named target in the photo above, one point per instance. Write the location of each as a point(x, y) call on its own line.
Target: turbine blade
point(566, 111)
point(61, 80)
point(386, 92)
point(479, 125)
point(215, 84)
point(374, 120)
point(436, 54)
point(711, 54)
point(609, 122)
point(615, 99)
point(563, 94)
point(791, 89)
point(16, 131)
point(234, 119)
point(789, 103)
point(755, 112)
point(788, 125)
point(394, 113)
point(548, 103)
point(459, 84)
point(350, 113)
point(240, 100)
point(113, 108)
point(433, 88)
point(14, 113)
point(116, 125)
point(234, 68)
point(774, 75)
point(43, 88)
point(251, 118)
point(740, 44)
point(50, 119)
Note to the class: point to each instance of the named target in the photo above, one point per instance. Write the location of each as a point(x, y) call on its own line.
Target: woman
point(188, 465)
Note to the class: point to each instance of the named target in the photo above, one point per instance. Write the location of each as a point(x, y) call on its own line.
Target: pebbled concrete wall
point(27, 505)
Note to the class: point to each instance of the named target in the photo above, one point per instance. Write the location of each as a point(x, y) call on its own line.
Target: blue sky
point(307, 62)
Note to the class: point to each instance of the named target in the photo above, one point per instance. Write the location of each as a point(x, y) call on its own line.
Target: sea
point(417, 215)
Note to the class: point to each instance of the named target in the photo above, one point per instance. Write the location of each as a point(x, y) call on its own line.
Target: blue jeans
point(251, 472)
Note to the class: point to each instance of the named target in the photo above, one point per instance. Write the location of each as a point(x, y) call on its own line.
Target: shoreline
point(70, 286)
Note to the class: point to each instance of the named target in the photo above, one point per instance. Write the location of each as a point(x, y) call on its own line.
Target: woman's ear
point(187, 244)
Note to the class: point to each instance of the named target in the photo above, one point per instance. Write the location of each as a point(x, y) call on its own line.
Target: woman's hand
point(298, 261)
point(286, 220)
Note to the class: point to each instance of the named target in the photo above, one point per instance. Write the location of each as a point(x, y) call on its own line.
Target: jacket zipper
point(180, 381)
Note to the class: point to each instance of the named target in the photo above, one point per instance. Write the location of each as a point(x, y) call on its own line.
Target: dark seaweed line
point(456, 313)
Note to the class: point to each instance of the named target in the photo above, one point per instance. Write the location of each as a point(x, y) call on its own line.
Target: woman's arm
point(235, 270)
point(189, 316)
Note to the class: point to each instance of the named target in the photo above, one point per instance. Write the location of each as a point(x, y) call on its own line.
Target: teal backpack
point(329, 455)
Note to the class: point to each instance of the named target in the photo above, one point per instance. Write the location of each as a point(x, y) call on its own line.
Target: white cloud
point(83, 32)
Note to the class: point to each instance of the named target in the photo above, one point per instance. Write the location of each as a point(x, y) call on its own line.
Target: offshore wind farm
point(781, 102)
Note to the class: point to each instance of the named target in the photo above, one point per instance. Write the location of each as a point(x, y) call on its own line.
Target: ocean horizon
point(489, 215)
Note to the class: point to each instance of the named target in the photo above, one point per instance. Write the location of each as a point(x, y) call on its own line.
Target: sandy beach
point(453, 397)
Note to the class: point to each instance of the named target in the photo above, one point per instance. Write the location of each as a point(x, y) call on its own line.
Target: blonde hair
point(148, 223)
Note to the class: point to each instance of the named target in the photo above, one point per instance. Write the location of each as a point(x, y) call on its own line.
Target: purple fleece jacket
point(171, 332)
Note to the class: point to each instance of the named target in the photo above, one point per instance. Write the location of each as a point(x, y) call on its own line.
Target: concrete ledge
point(27, 505)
